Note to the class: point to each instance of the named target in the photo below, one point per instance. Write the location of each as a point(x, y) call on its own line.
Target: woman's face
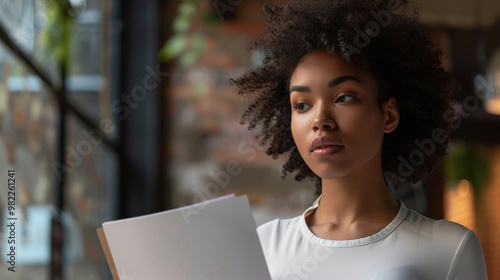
point(337, 123)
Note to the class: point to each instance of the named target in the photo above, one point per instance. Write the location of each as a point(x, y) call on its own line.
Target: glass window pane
point(28, 125)
point(18, 18)
point(88, 73)
point(24, 21)
point(91, 198)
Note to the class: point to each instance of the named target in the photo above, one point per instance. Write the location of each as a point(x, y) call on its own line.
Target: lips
point(324, 146)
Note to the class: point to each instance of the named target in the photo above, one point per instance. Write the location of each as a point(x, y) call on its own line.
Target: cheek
point(299, 128)
point(294, 128)
point(367, 129)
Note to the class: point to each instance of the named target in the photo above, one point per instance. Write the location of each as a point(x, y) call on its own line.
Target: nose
point(323, 119)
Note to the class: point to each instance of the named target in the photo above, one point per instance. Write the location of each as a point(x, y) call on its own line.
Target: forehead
point(318, 65)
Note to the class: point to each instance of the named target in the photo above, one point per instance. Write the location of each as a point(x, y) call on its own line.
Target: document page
point(215, 239)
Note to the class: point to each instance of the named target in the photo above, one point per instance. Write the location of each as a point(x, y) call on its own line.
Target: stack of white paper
point(215, 239)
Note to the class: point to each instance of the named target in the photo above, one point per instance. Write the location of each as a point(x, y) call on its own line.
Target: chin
point(330, 173)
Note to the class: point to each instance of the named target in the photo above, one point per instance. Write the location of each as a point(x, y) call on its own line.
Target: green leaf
point(57, 33)
point(181, 24)
point(174, 47)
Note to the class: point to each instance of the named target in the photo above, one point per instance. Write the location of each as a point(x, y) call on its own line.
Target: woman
point(359, 100)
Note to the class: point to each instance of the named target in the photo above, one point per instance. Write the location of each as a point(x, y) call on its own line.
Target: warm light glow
point(459, 204)
point(463, 188)
point(492, 105)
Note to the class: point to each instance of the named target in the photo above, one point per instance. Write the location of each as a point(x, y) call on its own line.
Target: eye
point(301, 107)
point(344, 98)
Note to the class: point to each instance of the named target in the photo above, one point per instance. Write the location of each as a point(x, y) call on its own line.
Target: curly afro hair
point(378, 38)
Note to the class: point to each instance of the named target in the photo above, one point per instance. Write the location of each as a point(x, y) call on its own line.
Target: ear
point(391, 115)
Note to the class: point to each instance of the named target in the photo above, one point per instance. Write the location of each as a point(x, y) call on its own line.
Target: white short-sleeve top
point(411, 247)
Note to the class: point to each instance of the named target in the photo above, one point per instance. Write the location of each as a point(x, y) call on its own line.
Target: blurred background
point(111, 109)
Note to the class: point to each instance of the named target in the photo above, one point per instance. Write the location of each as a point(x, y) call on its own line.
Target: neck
point(356, 198)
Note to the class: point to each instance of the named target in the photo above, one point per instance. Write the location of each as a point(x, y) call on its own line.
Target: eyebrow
point(332, 83)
